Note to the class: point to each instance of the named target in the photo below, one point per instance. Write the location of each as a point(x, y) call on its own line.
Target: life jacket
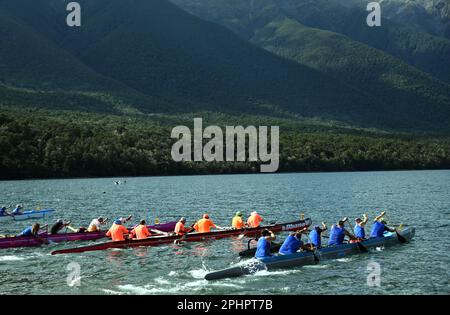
point(204, 225)
point(117, 232)
point(315, 238)
point(336, 235)
point(359, 231)
point(237, 222)
point(290, 245)
point(141, 232)
point(378, 229)
point(262, 248)
point(254, 220)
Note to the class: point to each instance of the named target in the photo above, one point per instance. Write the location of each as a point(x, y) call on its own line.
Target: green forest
point(40, 143)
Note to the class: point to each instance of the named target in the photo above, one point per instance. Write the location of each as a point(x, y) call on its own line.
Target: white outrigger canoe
point(28, 215)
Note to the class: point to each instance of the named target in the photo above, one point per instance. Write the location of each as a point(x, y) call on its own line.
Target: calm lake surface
point(420, 199)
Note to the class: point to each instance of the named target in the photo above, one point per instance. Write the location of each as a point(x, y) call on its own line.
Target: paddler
point(3, 212)
point(338, 233)
point(254, 220)
point(58, 226)
point(31, 230)
point(180, 229)
point(205, 224)
point(117, 231)
point(379, 226)
point(359, 230)
point(95, 224)
point(264, 243)
point(237, 222)
point(17, 210)
point(141, 231)
point(292, 244)
point(315, 236)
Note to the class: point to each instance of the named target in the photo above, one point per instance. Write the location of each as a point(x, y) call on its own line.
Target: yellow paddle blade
point(156, 221)
point(302, 216)
point(400, 226)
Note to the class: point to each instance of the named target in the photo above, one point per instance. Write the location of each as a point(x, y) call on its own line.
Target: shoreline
point(225, 174)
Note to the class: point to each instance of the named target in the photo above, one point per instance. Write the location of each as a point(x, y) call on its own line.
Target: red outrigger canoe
point(191, 237)
point(30, 241)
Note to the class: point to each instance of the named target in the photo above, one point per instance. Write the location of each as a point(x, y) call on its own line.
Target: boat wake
point(11, 258)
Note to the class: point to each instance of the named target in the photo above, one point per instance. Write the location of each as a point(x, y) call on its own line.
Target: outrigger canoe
point(28, 215)
point(31, 241)
point(309, 258)
point(190, 237)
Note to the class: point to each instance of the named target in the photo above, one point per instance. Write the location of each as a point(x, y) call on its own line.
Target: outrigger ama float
point(314, 257)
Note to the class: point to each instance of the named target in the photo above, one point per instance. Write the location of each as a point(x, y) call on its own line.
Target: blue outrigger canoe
point(28, 215)
point(309, 258)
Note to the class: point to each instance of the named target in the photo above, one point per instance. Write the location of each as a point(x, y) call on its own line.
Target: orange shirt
point(141, 232)
point(180, 229)
point(254, 220)
point(117, 232)
point(204, 225)
point(237, 222)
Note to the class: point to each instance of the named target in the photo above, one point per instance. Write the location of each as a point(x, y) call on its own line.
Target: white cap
point(254, 212)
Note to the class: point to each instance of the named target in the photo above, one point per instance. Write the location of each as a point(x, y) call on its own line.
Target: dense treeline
point(35, 145)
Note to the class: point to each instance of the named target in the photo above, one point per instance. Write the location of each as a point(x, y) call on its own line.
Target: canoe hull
point(191, 237)
point(29, 241)
point(28, 215)
point(309, 258)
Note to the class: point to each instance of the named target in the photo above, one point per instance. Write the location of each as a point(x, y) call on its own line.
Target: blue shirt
point(378, 229)
point(290, 245)
point(359, 231)
point(2, 211)
point(315, 237)
point(336, 235)
point(263, 248)
point(16, 211)
point(26, 232)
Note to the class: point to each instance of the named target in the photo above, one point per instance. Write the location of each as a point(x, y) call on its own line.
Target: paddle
point(400, 238)
point(313, 249)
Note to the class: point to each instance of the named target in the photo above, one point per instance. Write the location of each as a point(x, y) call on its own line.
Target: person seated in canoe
point(338, 233)
point(254, 220)
point(292, 243)
point(264, 244)
point(359, 230)
point(3, 212)
point(180, 229)
point(95, 225)
point(125, 220)
point(117, 231)
point(237, 222)
point(58, 226)
point(315, 236)
point(34, 232)
point(205, 224)
point(141, 231)
point(17, 210)
point(379, 226)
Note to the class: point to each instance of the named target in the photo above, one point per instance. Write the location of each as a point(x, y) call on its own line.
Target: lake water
point(420, 199)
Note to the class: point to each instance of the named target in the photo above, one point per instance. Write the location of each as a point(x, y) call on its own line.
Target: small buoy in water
point(104, 192)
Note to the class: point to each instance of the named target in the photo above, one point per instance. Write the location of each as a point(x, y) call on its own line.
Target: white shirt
point(94, 226)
